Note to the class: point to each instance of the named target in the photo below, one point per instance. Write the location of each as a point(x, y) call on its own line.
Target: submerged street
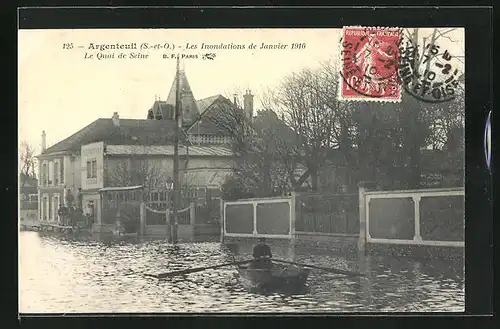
point(66, 275)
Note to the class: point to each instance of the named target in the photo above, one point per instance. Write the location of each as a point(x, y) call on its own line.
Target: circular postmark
point(370, 63)
point(428, 71)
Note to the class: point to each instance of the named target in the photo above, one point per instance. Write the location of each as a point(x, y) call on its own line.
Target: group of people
point(69, 215)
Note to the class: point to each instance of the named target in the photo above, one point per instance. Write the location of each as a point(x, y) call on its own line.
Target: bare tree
point(27, 161)
point(132, 172)
point(256, 164)
point(148, 172)
point(440, 121)
point(308, 101)
point(235, 96)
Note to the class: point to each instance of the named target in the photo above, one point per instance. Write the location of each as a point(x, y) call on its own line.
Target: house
point(28, 197)
point(113, 152)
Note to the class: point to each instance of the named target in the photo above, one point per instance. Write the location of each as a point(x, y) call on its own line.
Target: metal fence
point(327, 213)
point(433, 217)
point(208, 212)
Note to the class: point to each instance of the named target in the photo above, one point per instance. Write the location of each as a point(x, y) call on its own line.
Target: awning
point(122, 188)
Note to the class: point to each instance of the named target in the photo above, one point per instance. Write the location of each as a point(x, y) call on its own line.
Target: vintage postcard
point(241, 170)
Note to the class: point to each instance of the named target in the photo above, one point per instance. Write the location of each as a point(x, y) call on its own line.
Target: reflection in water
point(67, 275)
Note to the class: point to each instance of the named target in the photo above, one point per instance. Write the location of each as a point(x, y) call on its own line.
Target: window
point(56, 173)
point(45, 208)
point(89, 169)
point(51, 173)
point(92, 168)
point(50, 209)
point(55, 206)
point(44, 174)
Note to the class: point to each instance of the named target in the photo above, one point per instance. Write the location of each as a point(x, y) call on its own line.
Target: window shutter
point(62, 171)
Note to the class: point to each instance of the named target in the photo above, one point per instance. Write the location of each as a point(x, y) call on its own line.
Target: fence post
point(142, 219)
point(222, 220)
point(192, 214)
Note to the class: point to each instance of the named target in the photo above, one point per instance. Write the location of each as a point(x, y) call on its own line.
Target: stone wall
point(157, 230)
point(345, 245)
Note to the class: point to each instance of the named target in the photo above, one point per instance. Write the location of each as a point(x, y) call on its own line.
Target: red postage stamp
point(369, 64)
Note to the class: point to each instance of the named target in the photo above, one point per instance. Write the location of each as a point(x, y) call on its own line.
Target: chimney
point(44, 141)
point(116, 119)
point(248, 104)
point(234, 100)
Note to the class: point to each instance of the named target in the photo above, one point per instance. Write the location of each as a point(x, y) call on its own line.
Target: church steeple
point(189, 107)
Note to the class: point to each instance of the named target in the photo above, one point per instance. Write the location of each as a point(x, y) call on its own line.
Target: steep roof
point(212, 107)
point(267, 123)
point(168, 150)
point(164, 110)
point(129, 132)
point(205, 103)
point(189, 106)
point(161, 110)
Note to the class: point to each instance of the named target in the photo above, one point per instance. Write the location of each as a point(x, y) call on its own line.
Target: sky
point(60, 91)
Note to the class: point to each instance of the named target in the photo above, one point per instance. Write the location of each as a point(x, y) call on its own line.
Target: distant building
point(110, 152)
point(28, 197)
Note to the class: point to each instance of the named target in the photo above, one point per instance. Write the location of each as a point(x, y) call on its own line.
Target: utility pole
point(178, 121)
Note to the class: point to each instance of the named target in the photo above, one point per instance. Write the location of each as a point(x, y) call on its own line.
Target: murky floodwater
point(64, 275)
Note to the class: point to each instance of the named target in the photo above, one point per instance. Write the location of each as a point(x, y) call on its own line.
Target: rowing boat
point(278, 278)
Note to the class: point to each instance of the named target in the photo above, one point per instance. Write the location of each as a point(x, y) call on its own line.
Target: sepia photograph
point(314, 170)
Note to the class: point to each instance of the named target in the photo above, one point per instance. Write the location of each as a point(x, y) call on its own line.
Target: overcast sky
point(61, 92)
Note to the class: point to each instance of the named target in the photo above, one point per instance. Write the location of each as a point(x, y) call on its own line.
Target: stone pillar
point(292, 214)
point(362, 218)
point(192, 214)
point(222, 220)
point(416, 204)
point(40, 214)
point(168, 225)
point(362, 189)
point(255, 218)
point(293, 218)
point(142, 219)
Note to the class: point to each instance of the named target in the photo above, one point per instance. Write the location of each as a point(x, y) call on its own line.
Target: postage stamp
point(369, 64)
point(429, 70)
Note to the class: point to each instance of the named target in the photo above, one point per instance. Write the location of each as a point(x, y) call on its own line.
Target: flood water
point(65, 275)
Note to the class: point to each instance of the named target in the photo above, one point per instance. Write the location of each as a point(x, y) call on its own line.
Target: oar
point(196, 269)
point(327, 269)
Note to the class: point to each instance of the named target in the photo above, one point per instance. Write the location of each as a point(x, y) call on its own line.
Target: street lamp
point(169, 184)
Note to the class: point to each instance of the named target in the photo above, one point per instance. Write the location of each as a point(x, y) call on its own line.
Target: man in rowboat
point(261, 255)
